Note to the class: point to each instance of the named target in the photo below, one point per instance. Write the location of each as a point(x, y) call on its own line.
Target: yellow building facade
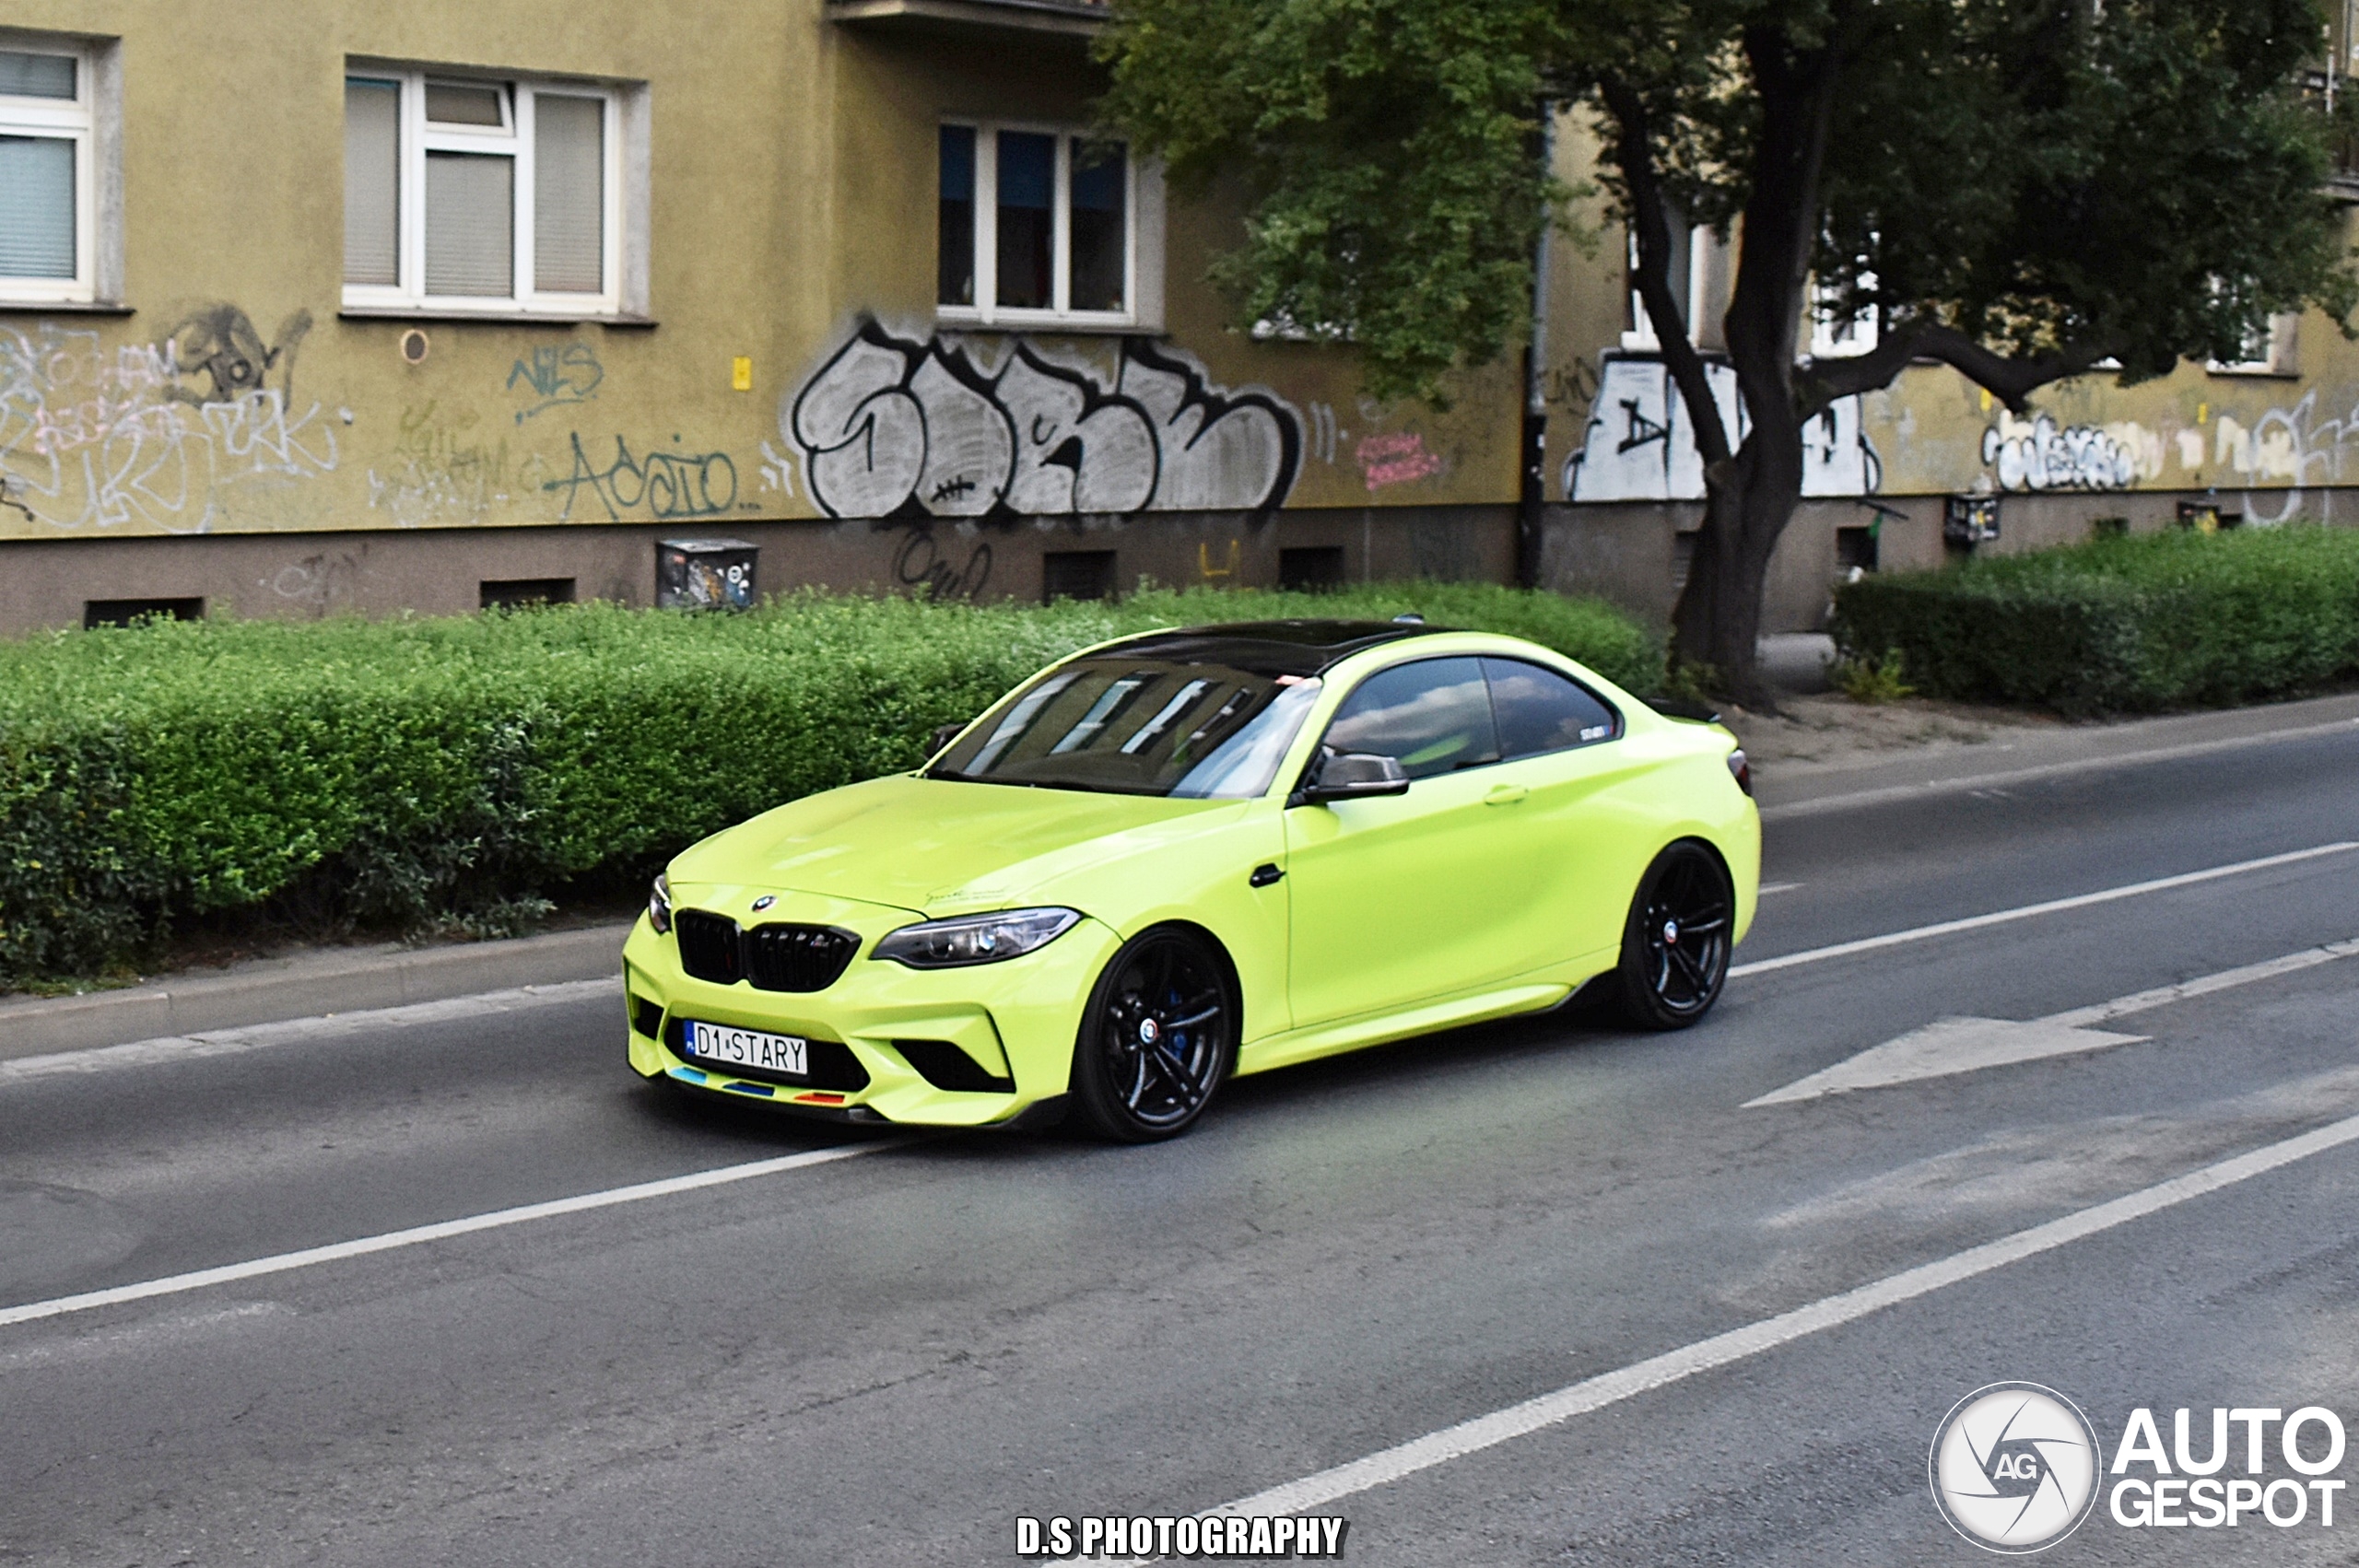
point(322, 307)
point(328, 306)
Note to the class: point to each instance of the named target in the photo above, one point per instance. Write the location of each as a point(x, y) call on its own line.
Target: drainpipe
point(1532, 501)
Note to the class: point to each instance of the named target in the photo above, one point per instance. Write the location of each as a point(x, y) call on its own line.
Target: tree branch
point(1825, 382)
point(1651, 221)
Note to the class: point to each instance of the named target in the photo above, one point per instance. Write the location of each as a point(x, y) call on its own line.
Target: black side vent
point(797, 958)
point(647, 1018)
point(708, 946)
point(943, 1065)
point(832, 1063)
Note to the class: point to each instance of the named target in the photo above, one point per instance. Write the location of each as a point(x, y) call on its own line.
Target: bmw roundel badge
point(764, 902)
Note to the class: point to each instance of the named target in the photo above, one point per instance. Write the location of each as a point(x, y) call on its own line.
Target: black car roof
point(1268, 647)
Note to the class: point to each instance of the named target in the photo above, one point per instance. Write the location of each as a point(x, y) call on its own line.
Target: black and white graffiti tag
point(892, 428)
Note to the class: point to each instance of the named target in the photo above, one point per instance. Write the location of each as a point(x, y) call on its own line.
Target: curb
point(1810, 790)
point(276, 989)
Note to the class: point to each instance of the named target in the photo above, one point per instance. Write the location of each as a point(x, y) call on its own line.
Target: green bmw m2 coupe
point(1192, 854)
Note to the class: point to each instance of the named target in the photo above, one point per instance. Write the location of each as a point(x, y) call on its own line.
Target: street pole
point(1533, 498)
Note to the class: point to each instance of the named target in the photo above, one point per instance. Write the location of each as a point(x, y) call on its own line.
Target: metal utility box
point(1970, 519)
point(705, 574)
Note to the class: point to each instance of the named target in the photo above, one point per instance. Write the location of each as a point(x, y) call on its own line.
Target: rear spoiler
point(1681, 707)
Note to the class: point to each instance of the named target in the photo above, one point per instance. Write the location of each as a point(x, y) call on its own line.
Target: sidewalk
point(2012, 749)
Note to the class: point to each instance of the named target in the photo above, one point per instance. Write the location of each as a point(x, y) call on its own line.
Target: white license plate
point(750, 1047)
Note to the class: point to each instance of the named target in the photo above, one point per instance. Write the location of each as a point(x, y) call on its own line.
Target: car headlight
point(976, 939)
point(659, 904)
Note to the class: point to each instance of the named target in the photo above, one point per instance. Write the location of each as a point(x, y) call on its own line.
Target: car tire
point(1676, 942)
point(1157, 1038)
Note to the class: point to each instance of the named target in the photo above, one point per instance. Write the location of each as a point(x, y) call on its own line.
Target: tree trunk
point(1747, 506)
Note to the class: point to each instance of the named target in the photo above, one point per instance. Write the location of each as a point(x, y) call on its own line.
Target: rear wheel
point(1157, 1038)
point(1675, 944)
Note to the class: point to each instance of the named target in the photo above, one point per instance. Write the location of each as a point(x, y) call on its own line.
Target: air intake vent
point(709, 948)
point(797, 958)
point(943, 1065)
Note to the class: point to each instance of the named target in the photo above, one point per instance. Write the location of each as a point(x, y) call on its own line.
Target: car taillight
point(1741, 771)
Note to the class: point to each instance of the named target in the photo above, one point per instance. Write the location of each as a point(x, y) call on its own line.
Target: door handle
point(1263, 875)
point(1505, 794)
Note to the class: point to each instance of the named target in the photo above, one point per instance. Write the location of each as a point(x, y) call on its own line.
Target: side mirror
point(1354, 776)
point(943, 735)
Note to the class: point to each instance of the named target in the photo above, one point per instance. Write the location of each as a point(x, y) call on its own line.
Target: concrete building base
point(1633, 554)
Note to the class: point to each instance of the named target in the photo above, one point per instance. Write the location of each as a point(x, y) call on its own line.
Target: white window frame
point(514, 139)
point(987, 310)
point(76, 120)
point(2282, 355)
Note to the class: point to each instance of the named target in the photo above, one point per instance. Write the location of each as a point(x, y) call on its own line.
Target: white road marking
point(169, 1048)
point(1766, 888)
point(1950, 1046)
point(417, 1235)
point(2054, 905)
point(1944, 1049)
point(1738, 1344)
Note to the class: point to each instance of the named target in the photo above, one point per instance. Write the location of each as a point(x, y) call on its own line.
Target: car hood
point(935, 846)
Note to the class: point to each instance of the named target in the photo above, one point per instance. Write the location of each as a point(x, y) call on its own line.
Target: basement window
point(525, 593)
point(1077, 574)
point(99, 612)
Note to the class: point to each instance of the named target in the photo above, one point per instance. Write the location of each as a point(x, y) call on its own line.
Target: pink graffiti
point(1395, 460)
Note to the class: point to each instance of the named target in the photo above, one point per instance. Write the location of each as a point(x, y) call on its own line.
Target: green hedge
point(2129, 625)
point(417, 771)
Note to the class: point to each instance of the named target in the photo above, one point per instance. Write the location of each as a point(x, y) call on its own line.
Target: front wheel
point(1159, 1037)
point(1675, 944)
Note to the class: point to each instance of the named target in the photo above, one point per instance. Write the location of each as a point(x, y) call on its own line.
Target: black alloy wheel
point(1675, 944)
point(1159, 1035)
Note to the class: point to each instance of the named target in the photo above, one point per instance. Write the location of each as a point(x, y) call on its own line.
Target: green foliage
point(1870, 679)
point(447, 774)
point(2141, 177)
point(1387, 148)
point(2123, 625)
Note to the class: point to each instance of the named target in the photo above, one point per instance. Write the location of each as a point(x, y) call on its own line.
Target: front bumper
point(1010, 1024)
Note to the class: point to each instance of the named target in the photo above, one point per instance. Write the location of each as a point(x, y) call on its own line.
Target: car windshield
point(1138, 727)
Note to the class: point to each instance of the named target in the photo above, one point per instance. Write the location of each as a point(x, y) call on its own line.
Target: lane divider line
point(1591, 1394)
point(2024, 912)
point(2204, 985)
point(165, 1050)
point(417, 1235)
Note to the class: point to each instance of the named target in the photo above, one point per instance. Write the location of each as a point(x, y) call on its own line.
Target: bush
point(2123, 625)
point(421, 772)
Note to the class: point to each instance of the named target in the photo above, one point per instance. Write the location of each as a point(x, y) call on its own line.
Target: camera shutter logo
point(2015, 1468)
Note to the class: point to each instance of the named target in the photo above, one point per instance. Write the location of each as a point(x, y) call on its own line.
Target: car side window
point(1540, 710)
point(1431, 716)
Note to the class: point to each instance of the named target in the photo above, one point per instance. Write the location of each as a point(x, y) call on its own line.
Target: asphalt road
point(887, 1358)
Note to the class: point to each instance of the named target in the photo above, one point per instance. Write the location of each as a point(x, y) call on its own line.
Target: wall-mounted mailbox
point(1970, 519)
point(705, 574)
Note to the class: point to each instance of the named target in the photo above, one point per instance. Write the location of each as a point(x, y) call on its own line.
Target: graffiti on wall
point(1399, 459)
point(444, 470)
point(2039, 454)
point(892, 427)
point(667, 485)
point(1639, 445)
point(553, 374)
point(149, 434)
